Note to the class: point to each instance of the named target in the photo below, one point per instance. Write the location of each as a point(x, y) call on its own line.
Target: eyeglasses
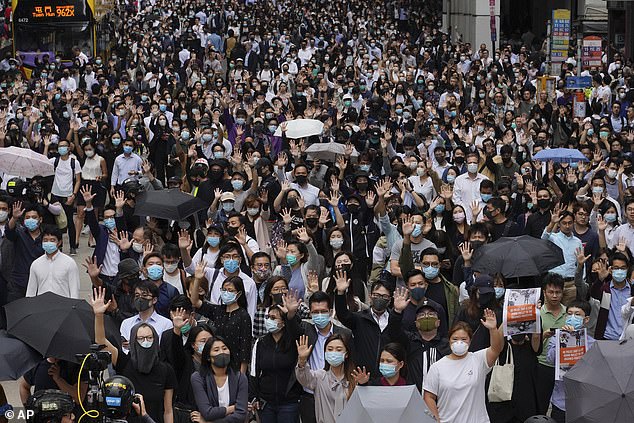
point(262, 265)
point(429, 263)
point(230, 257)
point(377, 296)
point(143, 296)
point(145, 338)
point(279, 290)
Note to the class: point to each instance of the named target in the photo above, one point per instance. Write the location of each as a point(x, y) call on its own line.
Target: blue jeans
point(284, 413)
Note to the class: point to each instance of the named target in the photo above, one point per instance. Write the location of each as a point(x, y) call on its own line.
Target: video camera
point(48, 406)
point(96, 360)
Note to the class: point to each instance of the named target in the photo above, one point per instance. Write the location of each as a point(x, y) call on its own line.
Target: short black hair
point(553, 279)
point(619, 256)
point(583, 305)
point(498, 203)
point(170, 250)
point(430, 251)
point(320, 297)
point(151, 255)
point(148, 286)
point(181, 301)
point(258, 255)
point(414, 272)
point(52, 230)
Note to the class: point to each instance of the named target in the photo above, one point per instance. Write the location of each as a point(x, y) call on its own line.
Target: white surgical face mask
point(459, 348)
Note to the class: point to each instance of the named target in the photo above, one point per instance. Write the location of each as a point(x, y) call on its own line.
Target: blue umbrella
point(560, 155)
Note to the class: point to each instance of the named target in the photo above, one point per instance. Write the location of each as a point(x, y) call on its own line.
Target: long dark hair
point(268, 301)
point(348, 364)
point(398, 352)
point(205, 360)
point(351, 292)
point(193, 333)
point(287, 342)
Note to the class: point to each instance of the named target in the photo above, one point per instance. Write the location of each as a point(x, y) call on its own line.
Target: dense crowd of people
point(307, 275)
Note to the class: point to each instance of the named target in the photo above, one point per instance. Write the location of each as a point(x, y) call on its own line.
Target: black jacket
point(368, 339)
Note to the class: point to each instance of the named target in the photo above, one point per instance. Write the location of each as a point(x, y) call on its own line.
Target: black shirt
point(152, 385)
point(498, 229)
point(436, 292)
point(39, 378)
point(536, 223)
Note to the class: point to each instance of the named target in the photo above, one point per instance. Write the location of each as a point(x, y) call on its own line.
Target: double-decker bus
point(54, 27)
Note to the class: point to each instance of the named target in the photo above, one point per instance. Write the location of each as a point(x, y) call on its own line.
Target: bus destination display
point(66, 11)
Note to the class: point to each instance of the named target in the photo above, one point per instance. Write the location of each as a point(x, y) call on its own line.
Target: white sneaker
point(85, 230)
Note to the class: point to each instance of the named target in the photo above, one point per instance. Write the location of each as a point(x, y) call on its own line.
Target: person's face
point(261, 263)
point(430, 261)
point(336, 346)
point(144, 334)
point(553, 294)
point(487, 190)
point(231, 255)
point(51, 238)
point(387, 358)
point(218, 348)
point(565, 225)
point(153, 261)
point(292, 249)
point(342, 260)
point(494, 212)
point(460, 335)
point(234, 222)
point(320, 308)
point(275, 314)
point(417, 281)
point(311, 214)
point(582, 217)
point(477, 236)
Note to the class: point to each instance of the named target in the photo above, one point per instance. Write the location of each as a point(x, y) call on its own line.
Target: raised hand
point(360, 375)
point(280, 249)
point(119, 199)
point(446, 191)
point(342, 281)
point(303, 236)
point(602, 224)
point(313, 281)
point(98, 303)
point(241, 236)
point(475, 209)
point(91, 267)
point(148, 248)
point(489, 321)
point(383, 187)
point(324, 217)
point(554, 215)
point(407, 226)
point(291, 302)
point(466, 251)
point(581, 257)
point(621, 246)
point(401, 299)
point(86, 192)
point(287, 217)
point(370, 199)
point(303, 349)
point(178, 318)
point(123, 241)
point(184, 240)
point(18, 210)
point(199, 272)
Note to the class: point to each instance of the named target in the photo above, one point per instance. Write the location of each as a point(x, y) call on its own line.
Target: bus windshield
point(57, 39)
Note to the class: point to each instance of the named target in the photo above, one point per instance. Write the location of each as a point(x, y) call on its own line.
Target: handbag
point(502, 378)
point(61, 220)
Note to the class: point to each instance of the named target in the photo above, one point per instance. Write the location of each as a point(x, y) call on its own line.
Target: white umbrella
point(24, 162)
point(328, 151)
point(300, 128)
point(380, 404)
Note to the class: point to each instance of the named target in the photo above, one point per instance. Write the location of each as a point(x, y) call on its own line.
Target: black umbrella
point(55, 326)
point(171, 204)
point(517, 256)
point(16, 358)
point(600, 386)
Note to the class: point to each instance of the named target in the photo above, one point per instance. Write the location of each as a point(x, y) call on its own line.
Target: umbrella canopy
point(380, 404)
point(24, 162)
point(517, 256)
point(167, 204)
point(560, 155)
point(600, 387)
point(16, 358)
point(328, 151)
point(55, 326)
point(300, 128)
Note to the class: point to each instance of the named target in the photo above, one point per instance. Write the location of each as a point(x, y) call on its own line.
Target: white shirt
point(175, 280)
point(459, 386)
point(63, 184)
point(57, 274)
point(465, 189)
point(158, 322)
point(425, 189)
point(310, 194)
point(223, 394)
point(382, 320)
point(249, 286)
point(209, 256)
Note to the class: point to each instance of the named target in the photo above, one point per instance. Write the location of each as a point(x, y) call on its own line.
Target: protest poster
point(570, 347)
point(521, 314)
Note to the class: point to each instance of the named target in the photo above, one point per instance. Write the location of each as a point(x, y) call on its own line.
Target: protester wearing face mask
point(261, 271)
point(54, 271)
point(467, 186)
point(208, 252)
point(356, 296)
point(172, 274)
point(417, 286)
point(391, 365)
point(463, 369)
point(154, 271)
point(482, 296)
point(227, 265)
point(297, 259)
point(255, 218)
point(274, 391)
point(424, 340)
point(413, 240)
point(229, 394)
point(231, 318)
point(154, 379)
point(276, 288)
point(337, 373)
point(185, 357)
point(577, 318)
point(223, 204)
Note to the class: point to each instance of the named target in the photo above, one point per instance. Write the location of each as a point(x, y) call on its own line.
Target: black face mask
point(232, 231)
point(277, 298)
point(353, 208)
point(543, 203)
point(362, 187)
point(301, 179)
point(476, 244)
point(418, 293)
point(488, 214)
point(458, 160)
point(221, 360)
point(292, 202)
point(380, 304)
point(215, 174)
point(344, 267)
point(141, 304)
point(311, 222)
